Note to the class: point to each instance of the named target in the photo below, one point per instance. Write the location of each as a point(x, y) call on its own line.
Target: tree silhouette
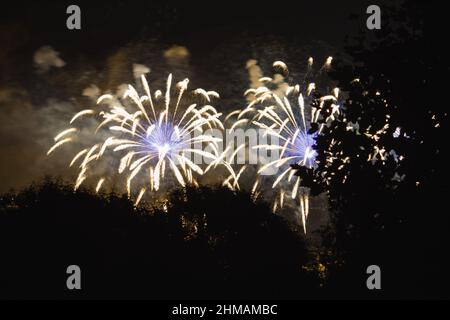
point(388, 212)
point(205, 243)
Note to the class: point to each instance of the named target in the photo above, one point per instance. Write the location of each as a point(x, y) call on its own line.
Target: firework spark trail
point(151, 141)
point(288, 116)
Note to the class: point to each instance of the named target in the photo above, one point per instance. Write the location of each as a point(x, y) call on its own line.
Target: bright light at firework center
point(304, 149)
point(165, 139)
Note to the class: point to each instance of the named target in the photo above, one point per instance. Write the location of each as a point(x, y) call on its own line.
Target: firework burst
point(295, 116)
point(150, 135)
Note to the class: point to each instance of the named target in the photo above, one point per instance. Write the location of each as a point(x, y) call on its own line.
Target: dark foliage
point(397, 223)
point(207, 243)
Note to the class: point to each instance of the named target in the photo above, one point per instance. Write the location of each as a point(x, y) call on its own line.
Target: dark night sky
point(219, 36)
point(108, 24)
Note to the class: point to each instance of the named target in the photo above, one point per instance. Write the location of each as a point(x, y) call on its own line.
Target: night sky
point(219, 38)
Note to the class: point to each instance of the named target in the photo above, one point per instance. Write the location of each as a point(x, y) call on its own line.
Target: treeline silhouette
point(205, 243)
point(393, 215)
